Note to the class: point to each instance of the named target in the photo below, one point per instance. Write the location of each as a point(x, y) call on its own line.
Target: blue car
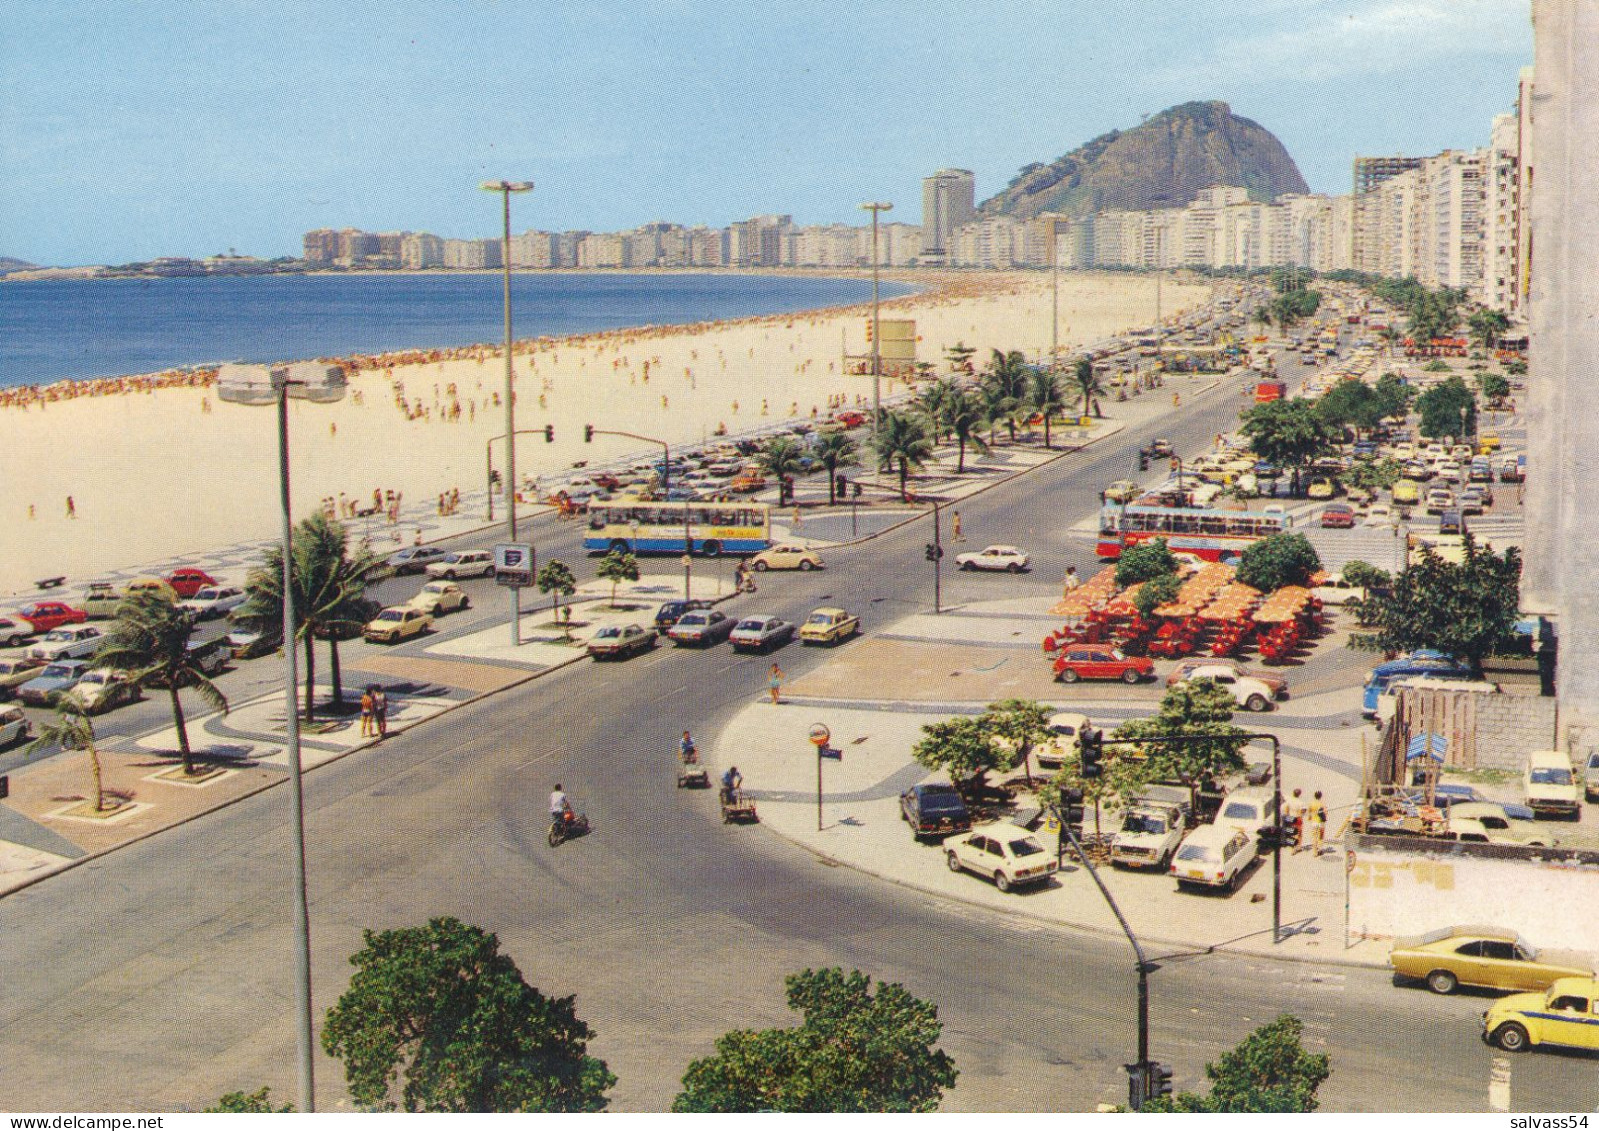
point(52, 682)
point(1422, 662)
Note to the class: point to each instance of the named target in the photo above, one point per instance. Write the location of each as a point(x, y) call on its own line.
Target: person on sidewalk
point(774, 683)
point(1071, 581)
point(380, 710)
point(955, 526)
point(1294, 819)
point(1316, 815)
point(366, 712)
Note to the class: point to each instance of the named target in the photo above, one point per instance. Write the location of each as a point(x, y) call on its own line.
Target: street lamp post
point(505, 189)
point(875, 207)
point(263, 385)
point(1054, 219)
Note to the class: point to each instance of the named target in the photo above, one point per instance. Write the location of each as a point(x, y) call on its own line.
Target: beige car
point(100, 600)
point(786, 557)
point(17, 670)
point(829, 626)
point(438, 597)
point(397, 623)
point(1490, 957)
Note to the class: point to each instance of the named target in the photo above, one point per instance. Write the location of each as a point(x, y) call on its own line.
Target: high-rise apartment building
point(1373, 171)
point(949, 202)
point(420, 250)
point(321, 246)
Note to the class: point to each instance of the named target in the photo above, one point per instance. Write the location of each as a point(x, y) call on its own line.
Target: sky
point(135, 130)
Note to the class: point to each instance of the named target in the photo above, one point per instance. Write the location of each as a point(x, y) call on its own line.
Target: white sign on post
point(513, 565)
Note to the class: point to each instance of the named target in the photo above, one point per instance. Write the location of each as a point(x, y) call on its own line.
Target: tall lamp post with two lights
point(875, 207)
point(264, 385)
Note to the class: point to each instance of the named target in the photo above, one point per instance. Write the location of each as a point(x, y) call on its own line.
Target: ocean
point(77, 328)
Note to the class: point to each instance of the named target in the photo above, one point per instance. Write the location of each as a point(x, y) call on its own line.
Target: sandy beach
point(156, 473)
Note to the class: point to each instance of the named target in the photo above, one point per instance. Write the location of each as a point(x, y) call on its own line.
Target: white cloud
point(1316, 42)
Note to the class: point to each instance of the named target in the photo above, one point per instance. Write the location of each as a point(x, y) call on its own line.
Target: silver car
point(758, 633)
point(69, 642)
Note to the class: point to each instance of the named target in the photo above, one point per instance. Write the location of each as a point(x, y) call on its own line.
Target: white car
point(786, 557)
point(13, 726)
point(1061, 746)
point(1380, 514)
point(463, 563)
point(438, 597)
point(1550, 786)
point(1148, 837)
point(104, 689)
point(14, 630)
point(214, 601)
point(69, 642)
point(1007, 558)
point(1334, 590)
point(1011, 856)
point(1213, 856)
point(1249, 693)
point(1248, 810)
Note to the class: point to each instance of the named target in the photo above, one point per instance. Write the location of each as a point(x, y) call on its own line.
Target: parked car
point(1121, 491)
point(463, 563)
point(14, 630)
point(100, 600)
point(438, 597)
point(159, 586)
point(1565, 1014)
point(1549, 786)
point(214, 601)
point(760, 633)
point(15, 671)
point(829, 626)
point(1010, 855)
point(1590, 776)
point(786, 557)
point(1006, 558)
point(1502, 827)
point(13, 726)
point(53, 681)
point(1213, 856)
point(1451, 522)
point(1321, 488)
point(1250, 694)
point(1440, 499)
point(104, 689)
point(1250, 809)
point(397, 623)
point(188, 581)
point(1148, 837)
point(414, 559)
point(701, 628)
point(209, 656)
point(617, 641)
point(1422, 662)
point(1092, 661)
point(934, 809)
point(45, 616)
point(246, 643)
point(1061, 746)
point(1337, 516)
point(666, 616)
point(70, 642)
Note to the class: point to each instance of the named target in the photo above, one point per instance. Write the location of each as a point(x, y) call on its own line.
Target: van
point(1251, 810)
point(1422, 662)
point(1549, 786)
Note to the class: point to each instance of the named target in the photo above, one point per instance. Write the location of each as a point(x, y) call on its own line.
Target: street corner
point(21, 865)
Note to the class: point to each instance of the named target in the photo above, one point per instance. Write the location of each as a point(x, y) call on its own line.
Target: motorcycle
point(567, 826)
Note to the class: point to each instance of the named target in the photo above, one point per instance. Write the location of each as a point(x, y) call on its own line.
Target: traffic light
point(1091, 746)
point(1071, 802)
point(1143, 461)
point(1137, 1084)
point(868, 331)
point(588, 433)
point(1158, 1082)
point(549, 433)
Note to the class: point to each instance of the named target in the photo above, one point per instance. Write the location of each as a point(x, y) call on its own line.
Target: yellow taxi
point(829, 626)
point(1566, 1014)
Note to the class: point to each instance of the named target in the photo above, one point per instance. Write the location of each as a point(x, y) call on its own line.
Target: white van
point(1248, 810)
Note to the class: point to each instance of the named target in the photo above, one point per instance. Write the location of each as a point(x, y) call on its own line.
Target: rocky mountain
point(1162, 163)
point(8, 264)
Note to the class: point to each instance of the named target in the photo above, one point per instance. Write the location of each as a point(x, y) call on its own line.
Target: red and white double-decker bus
point(1214, 535)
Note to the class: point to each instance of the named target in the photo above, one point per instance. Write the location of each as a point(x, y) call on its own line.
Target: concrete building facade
point(949, 200)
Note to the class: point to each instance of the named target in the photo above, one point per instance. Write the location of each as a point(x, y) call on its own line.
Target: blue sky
point(131, 130)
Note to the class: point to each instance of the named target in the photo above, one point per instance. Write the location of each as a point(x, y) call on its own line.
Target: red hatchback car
point(47, 616)
point(1340, 516)
point(188, 581)
point(1095, 662)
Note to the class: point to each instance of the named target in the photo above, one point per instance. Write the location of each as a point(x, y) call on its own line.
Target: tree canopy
point(1270, 1071)
point(616, 567)
point(441, 1008)
point(1145, 562)
point(1199, 708)
point(1278, 560)
point(1022, 724)
point(853, 1051)
point(964, 748)
point(1447, 409)
point(1286, 433)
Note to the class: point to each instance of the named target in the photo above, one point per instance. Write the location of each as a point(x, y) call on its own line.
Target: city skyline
point(384, 117)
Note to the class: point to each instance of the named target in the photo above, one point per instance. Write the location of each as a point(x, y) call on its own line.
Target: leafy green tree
point(959, 357)
point(1144, 562)
point(1088, 384)
point(902, 443)
point(1364, 575)
point(1516, 368)
point(1467, 611)
point(1199, 709)
point(70, 728)
point(1287, 433)
point(1436, 365)
point(1393, 395)
point(996, 406)
point(1278, 560)
point(1351, 403)
point(330, 600)
point(1487, 326)
point(854, 1051)
point(616, 567)
point(251, 1103)
point(1156, 592)
point(963, 416)
point(441, 1008)
point(1022, 724)
point(1372, 474)
point(1447, 409)
point(1495, 387)
point(834, 450)
point(964, 748)
point(555, 576)
point(1045, 396)
point(933, 401)
point(150, 641)
point(1270, 1071)
point(780, 456)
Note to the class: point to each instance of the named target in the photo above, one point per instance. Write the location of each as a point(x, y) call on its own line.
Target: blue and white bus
point(707, 528)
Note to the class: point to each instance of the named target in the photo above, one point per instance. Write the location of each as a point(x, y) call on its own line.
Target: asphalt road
point(160, 976)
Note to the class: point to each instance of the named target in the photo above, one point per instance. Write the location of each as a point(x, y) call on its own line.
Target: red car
point(188, 581)
point(1340, 516)
point(851, 419)
point(47, 616)
point(1095, 662)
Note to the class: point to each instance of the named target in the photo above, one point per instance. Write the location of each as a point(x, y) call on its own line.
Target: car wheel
point(969, 567)
point(1511, 1037)
point(1069, 675)
point(1442, 982)
point(1013, 568)
point(449, 575)
point(1131, 676)
point(466, 602)
point(1256, 703)
point(806, 566)
point(952, 860)
point(1001, 881)
point(13, 641)
point(761, 567)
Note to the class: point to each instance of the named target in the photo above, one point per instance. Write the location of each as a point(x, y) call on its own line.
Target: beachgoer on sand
point(72, 508)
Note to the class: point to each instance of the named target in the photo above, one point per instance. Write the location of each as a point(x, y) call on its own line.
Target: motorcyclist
point(560, 806)
point(732, 780)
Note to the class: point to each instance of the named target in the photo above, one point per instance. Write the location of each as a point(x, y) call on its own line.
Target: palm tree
point(330, 600)
point(902, 441)
point(959, 357)
point(934, 399)
point(964, 415)
point(150, 640)
point(1087, 382)
point(1044, 394)
point(780, 456)
point(834, 450)
point(996, 403)
point(71, 729)
point(1009, 372)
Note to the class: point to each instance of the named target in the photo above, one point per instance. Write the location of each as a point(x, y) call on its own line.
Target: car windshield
point(689, 620)
point(57, 671)
point(1551, 775)
point(58, 635)
point(751, 625)
point(392, 614)
point(1241, 810)
point(1199, 852)
point(1143, 823)
point(208, 595)
point(607, 633)
point(820, 618)
point(1025, 846)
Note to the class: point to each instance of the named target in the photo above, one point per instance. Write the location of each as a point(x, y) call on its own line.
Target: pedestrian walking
point(1071, 581)
point(1294, 819)
point(774, 683)
point(366, 712)
point(72, 508)
point(1316, 814)
point(380, 710)
point(955, 526)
